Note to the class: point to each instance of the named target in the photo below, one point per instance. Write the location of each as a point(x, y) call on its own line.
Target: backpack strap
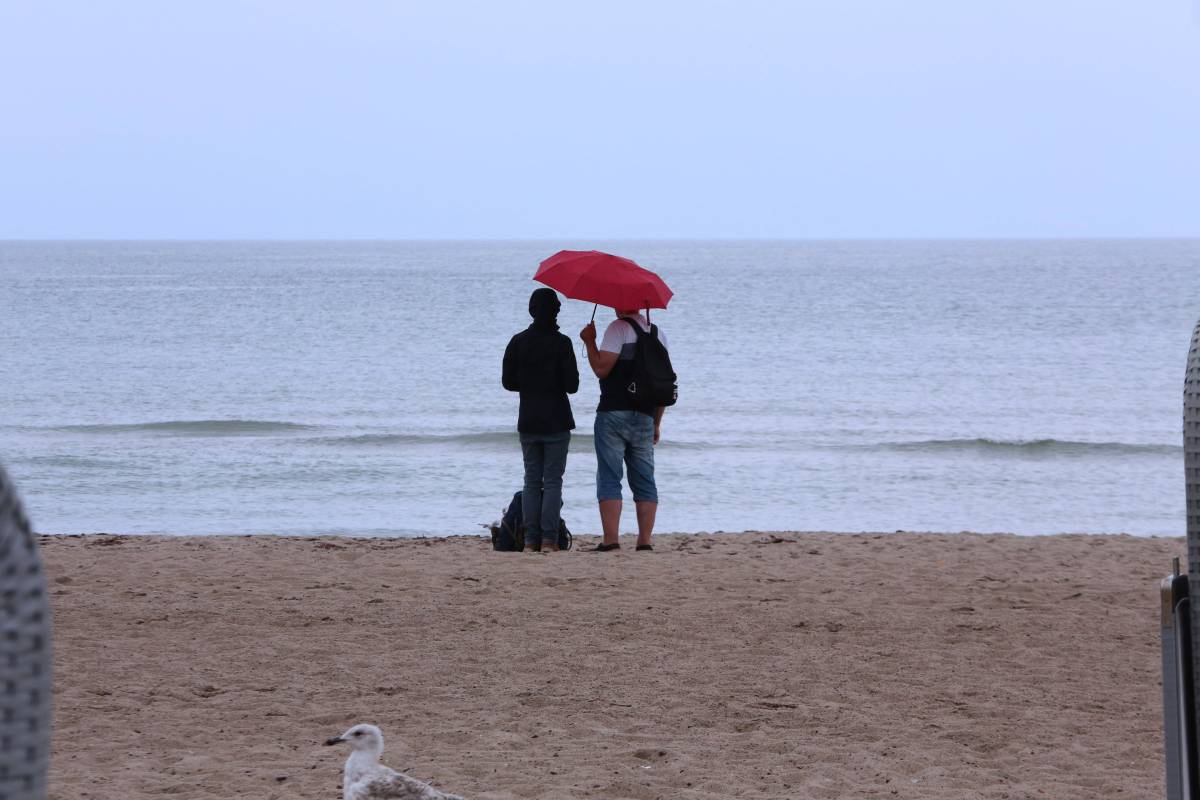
point(637, 329)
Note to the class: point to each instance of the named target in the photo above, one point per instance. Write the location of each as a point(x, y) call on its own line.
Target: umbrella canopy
point(604, 279)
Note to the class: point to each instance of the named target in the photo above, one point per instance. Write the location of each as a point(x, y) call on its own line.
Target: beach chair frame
point(1179, 721)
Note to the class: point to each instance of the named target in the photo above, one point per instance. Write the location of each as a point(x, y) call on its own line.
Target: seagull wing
point(392, 785)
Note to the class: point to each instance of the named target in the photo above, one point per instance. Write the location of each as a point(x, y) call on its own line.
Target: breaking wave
point(1031, 447)
point(195, 427)
point(416, 439)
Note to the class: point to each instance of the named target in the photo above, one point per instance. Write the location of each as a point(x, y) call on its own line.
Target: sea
point(353, 388)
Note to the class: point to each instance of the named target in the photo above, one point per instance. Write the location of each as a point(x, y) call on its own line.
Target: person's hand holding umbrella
point(601, 363)
point(588, 334)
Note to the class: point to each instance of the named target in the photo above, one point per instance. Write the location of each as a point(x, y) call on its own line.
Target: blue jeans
point(541, 499)
point(625, 438)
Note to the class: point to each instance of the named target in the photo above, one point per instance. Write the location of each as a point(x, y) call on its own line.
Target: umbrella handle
point(583, 348)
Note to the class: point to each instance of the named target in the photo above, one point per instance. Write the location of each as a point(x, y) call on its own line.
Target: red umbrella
point(603, 279)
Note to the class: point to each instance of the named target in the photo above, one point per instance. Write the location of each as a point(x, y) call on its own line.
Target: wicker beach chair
point(1181, 617)
point(24, 656)
point(1191, 470)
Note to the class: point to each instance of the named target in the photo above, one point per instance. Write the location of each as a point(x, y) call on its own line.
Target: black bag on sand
point(509, 535)
point(654, 381)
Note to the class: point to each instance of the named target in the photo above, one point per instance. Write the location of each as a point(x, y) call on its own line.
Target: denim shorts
point(625, 438)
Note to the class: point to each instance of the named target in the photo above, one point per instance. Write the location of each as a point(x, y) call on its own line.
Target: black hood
point(543, 307)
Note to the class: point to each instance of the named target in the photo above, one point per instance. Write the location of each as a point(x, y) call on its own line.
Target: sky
point(528, 119)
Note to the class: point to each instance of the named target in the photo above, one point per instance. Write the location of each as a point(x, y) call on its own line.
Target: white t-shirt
point(618, 335)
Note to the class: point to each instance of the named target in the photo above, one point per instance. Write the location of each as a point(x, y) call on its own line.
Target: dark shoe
point(604, 548)
point(644, 547)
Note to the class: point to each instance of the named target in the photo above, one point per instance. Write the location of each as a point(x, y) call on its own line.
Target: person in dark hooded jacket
point(539, 362)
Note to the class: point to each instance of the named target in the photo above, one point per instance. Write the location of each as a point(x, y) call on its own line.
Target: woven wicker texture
point(1191, 470)
point(24, 656)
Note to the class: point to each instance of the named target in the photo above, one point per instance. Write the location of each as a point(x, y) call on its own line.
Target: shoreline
point(586, 536)
point(764, 665)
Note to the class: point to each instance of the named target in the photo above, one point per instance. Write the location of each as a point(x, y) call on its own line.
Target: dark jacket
point(539, 362)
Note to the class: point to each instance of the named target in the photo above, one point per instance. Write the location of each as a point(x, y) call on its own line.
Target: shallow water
point(353, 388)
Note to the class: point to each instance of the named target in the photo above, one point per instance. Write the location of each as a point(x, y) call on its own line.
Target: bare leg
point(610, 520)
point(646, 511)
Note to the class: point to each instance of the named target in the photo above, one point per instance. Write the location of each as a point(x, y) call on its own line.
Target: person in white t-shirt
point(624, 434)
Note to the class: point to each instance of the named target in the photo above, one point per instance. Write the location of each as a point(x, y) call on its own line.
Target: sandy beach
point(749, 665)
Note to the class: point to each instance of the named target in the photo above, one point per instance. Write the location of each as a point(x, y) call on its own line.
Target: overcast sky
point(614, 119)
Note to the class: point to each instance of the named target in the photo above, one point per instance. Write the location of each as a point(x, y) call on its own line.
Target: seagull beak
point(334, 740)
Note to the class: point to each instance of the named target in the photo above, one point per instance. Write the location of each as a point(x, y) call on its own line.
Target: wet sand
point(747, 665)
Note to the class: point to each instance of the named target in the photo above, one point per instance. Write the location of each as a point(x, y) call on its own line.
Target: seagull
point(364, 778)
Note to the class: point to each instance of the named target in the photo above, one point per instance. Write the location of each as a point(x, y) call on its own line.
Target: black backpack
point(509, 535)
point(654, 381)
